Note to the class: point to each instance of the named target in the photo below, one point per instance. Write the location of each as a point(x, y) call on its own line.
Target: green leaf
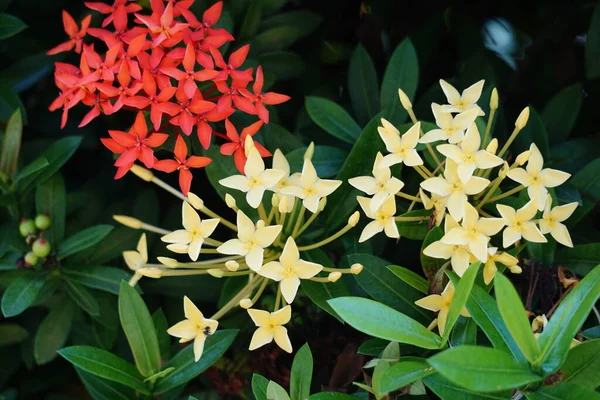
point(373, 347)
point(251, 21)
point(563, 391)
point(381, 284)
point(270, 6)
point(331, 396)
point(10, 26)
point(587, 181)
point(404, 372)
point(259, 387)
point(332, 118)
point(187, 369)
point(301, 374)
point(57, 155)
point(560, 113)
point(105, 365)
point(103, 389)
point(566, 321)
point(381, 367)
point(11, 334)
point(99, 277)
point(26, 71)
point(592, 46)
point(282, 65)
point(431, 265)
point(582, 364)
point(409, 277)
point(327, 160)
point(464, 332)
point(276, 392)
point(20, 294)
point(381, 321)
point(9, 103)
point(83, 298)
point(53, 332)
point(11, 143)
point(363, 87)
point(82, 240)
point(482, 369)
point(402, 72)
point(416, 230)
point(581, 259)
point(514, 316)
point(51, 198)
point(461, 294)
point(164, 340)
point(302, 23)
point(26, 175)
point(140, 331)
point(448, 390)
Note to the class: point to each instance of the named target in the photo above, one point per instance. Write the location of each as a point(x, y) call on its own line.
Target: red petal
point(205, 75)
point(186, 123)
point(259, 81)
point(219, 61)
point(165, 94)
point(237, 58)
point(167, 166)
point(251, 129)
point(120, 19)
point(123, 138)
point(121, 171)
point(156, 139)
point(224, 103)
point(107, 88)
point(100, 7)
point(185, 181)
point(232, 133)
point(189, 60)
point(262, 112)
point(205, 60)
point(228, 149)
point(93, 113)
point(128, 157)
point(139, 102)
point(173, 73)
point(242, 103)
point(69, 23)
point(180, 150)
point(240, 159)
point(113, 145)
point(190, 87)
point(211, 16)
point(261, 150)
point(201, 106)
point(168, 108)
point(166, 19)
point(274, 98)
point(197, 162)
point(139, 126)
point(136, 45)
point(204, 133)
point(66, 46)
point(146, 155)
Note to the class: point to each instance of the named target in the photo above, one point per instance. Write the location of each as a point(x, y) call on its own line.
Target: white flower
point(519, 224)
point(310, 188)
point(460, 256)
point(451, 128)
point(552, 219)
point(467, 101)
point(383, 219)
point(437, 202)
point(137, 259)
point(401, 147)
point(270, 327)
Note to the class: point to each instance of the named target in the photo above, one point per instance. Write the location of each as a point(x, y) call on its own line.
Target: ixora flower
point(401, 147)
point(460, 256)
point(190, 239)
point(252, 240)
point(289, 270)
point(451, 128)
point(437, 203)
point(552, 221)
point(519, 224)
point(536, 179)
point(383, 219)
point(441, 303)
point(382, 185)
point(137, 259)
point(495, 256)
point(195, 327)
point(270, 326)
point(310, 188)
point(462, 102)
point(280, 163)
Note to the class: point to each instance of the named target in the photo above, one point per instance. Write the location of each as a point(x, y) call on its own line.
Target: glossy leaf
point(363, 87)
point(259, 387)
point(414, 280)
point(99, 277)
point(51, 198)
point(251, 21)
point(103, 389)
point(301, 22)
point(28, 174)
point(404, 372)
point(327, 160)
point(21, 294)
point(560, 114)
point(276, 392)
point(53, 332)
point(332, 118)
point(587, 181)
point(10, 25)
point(431, 265)
point(331, 396)
point(416, 230)
point(563, 391)
point(57, 155)
point(461, 295)
point(301, 374)
point(534, 132)
point(581, 259)
point(11, 143)
point(592, 46)
point(11, 334)
point(83, 298)
point(282, 65)
point(82, 240)
point(582, 364)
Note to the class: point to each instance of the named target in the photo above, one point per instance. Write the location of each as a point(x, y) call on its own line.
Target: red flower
point(75, 34)
point(126, 89)
point(103, 68)
point(183, 163)
point(236, 59)
point(117, 12)
point(184, 113)
point(260, 99)
point(232, 94)
point(153, 100)
point(236, 145)
point(163, 28)
point(189, 76)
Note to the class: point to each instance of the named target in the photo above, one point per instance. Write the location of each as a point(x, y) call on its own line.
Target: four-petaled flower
point(310, 188)
point(502, 257)
point(260, 99)
point(75, 34)
point(401, 147)
point(451, 128)
point(462, 102)
point(519, 225)
point(383, 219)
point(139, 258)
point(270, 326)
point(552, 221)
point(441, 303)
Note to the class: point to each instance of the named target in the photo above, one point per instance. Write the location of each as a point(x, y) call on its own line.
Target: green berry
point(27, 227)
point(41, 248)
point(43, 222)
point(30, 259)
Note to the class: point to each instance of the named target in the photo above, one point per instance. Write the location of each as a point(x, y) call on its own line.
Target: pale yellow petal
point(392, 159)
point(442, 317)
point(325, 187)
point(456, 236)
point(290, 254)
point(191, 311)
point(535, 162)
point(471, 94)
point(538, 192)
point(365, 184)
point(289, 287)
point(254, 164)
point(390, 228)
point(377, 201)
point(389, 126)
point(412, 158)
point(562, 213)
point(553, 177)
point(178, 236)
point(439, 249)
point(475, 185)
point(507, 213)
point(527, 212)
point(282, 316)
point(411, 137)
point(437, 185)
point(265, 236)
point(189, 216)
point(478, 246)
point(434, 135)
point(365, 204)
point(485, 160)
point(194, 248)
point(254, 258)
point(233, 247)
point(178, 248)
point(142, 247)
point(391, 140)
point(372, 229)
point(472, 140)
point(133, 259)
point(451, 93)
point(489, 271)
point(245, 226)
point(465, 171)
point(510, 235)
point(185, 329)
point(271, 177)
point(519, 175)
point(306, 270)
point(465, 119)
point(311, 203)
point(460, 261)
point(434, 302)
point(208, 226)
point(282, 339)
point(199, 346)
point(490, 226)
point(261, 337)
point(309, 174)
point(530, 232)
point(280, 162)
point(388, 208)
point(238, 182)
point(451, 151)
point(561, 234)
point(470, 216)
point(456, 205)
point(254, 196)
point(272, 270)
point(259, 317)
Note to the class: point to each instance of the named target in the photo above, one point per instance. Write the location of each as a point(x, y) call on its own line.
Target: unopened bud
point(142, 173)
point(334, 276)
point(356, 268)
point(217, 273)
point(43, 222)
point(493, 146)
point(515, 269)
point(128, 221)
point(522, 119)
point(27, 227)
point(322, 203)
point(404, 100)
point(523, 158)
point(195, 201)
point(168, 262)
point(353, 220)
point(275, 199)
point(232, 265)
point(310, 151)
point(284, 205)
point(503, 170)
point(245, 303)
point(150, 272)
point(230, 201)
point(494, 99)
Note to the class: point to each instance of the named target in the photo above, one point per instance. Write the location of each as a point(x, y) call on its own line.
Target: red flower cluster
point(154, 66)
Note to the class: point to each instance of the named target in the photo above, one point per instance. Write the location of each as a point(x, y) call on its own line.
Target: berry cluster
point(154, 65)
point(33, 231)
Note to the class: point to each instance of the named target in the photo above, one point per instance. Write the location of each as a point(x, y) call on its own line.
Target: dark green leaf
point(409, 277)
point(276, 392)
point(103, 389)
point(164, 340)
point(464, 332)
point(332, 118)
point(98, 277)
point(402, 72)
point(82, 240)
point(10, 25)
point(53, 332)
point(563, 391)
point(327, 160)
point(587, 181)
point(581, 259)
point(592, 46)
point(282, 65)
point(20, 294)
point(331, 396)
point(592, 333)
point(251, 21)
point(259, 387)
point(83, 298)
point(57, 155)
point(25, 72)
point(11, 334)
point(448, 390)
point(404, 372)
point(461, 294)
point(561, 112)
point(301, 22)
point(416, 230)
point(51, 198)
point(431, 265)
point(373, 347)
point(301, 374)
point(582, 364)
point(363, 87)
point(11, 143)
point(26, 175)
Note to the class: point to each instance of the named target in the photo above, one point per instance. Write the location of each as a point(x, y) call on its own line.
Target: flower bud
point(230, 201)
point(353, 220)
point(43, 222)
point(142, 173)
point(493, 146)
point(195, 201)
point(128, 221)
point(404, 100)
point(27, 227)
point(522, 119)
point(523, 158)
point(494, 99)
point(310, 151)
point(356, 268)
point(232, 265)
point(322, 204)
point(168, 262)
point(150, 272)
point(515, 269)
point(284, 205)
point(41, 248)
point(503, 170)
point(275, 199)
point(217, 273)
point(30, 259)
point(334, 276)
point(245, 303)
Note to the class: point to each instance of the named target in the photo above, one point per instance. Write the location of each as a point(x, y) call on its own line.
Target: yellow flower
point(401, 147)
point(383, 219)
point(437, 202)
point(251, 241)
point(451, 128)
point(310, 188)
point(536, 179)
point(270, 327)
point(441, 303)
point(194, 327)
point(474, 232)
point(382, 185)
point(539, 323)
point(289, 270)
point(190, 239)
point(519, 224)
point(468, 156)
point(459, 255)
point(256, 178)
point(452, 187)
point(552, 219)
point(467, 101)
point(137, 259)
point(490, 269)
point(281, 163)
